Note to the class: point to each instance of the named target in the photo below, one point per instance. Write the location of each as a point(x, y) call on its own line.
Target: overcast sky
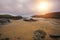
point(20, 7)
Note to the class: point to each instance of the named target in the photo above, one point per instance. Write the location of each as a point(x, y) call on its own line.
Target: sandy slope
point(25, 30)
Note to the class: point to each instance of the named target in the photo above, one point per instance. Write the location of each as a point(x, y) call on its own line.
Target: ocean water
point(51, 20)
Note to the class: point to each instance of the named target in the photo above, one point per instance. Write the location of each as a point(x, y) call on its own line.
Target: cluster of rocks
point(28, 19)
point(39, 35)
point(4, 21)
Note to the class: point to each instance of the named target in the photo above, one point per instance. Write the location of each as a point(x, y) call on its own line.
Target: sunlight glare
point(43, 7)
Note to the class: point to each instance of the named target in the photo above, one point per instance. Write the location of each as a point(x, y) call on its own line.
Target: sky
point(26, 7)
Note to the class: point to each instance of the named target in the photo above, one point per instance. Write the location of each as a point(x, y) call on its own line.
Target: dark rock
point(55, 35)
point(31, 19)
point(4, 21)
point(5, 39)
point(39, 34)
point(0, 34)
point(18, 38)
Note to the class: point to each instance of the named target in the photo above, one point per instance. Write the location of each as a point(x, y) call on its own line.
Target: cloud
point(23, 6)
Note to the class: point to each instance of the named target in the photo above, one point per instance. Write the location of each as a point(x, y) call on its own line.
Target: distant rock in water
point(36, 16)
point(49, 15)
point(11, 17)
point(52, 15)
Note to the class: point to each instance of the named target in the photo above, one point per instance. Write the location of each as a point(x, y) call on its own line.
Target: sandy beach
point(23, 30)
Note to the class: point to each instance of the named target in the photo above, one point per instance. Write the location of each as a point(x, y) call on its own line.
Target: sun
point(43, 7)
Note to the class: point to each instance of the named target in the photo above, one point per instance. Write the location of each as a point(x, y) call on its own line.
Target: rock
point(5, 39)
point(29, 19)
point(4, 21)
point(39, 34)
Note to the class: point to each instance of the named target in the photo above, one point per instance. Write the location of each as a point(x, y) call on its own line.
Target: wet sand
point(22, 30)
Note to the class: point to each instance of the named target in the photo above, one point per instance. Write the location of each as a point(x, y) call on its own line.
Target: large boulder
point(39, 35)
